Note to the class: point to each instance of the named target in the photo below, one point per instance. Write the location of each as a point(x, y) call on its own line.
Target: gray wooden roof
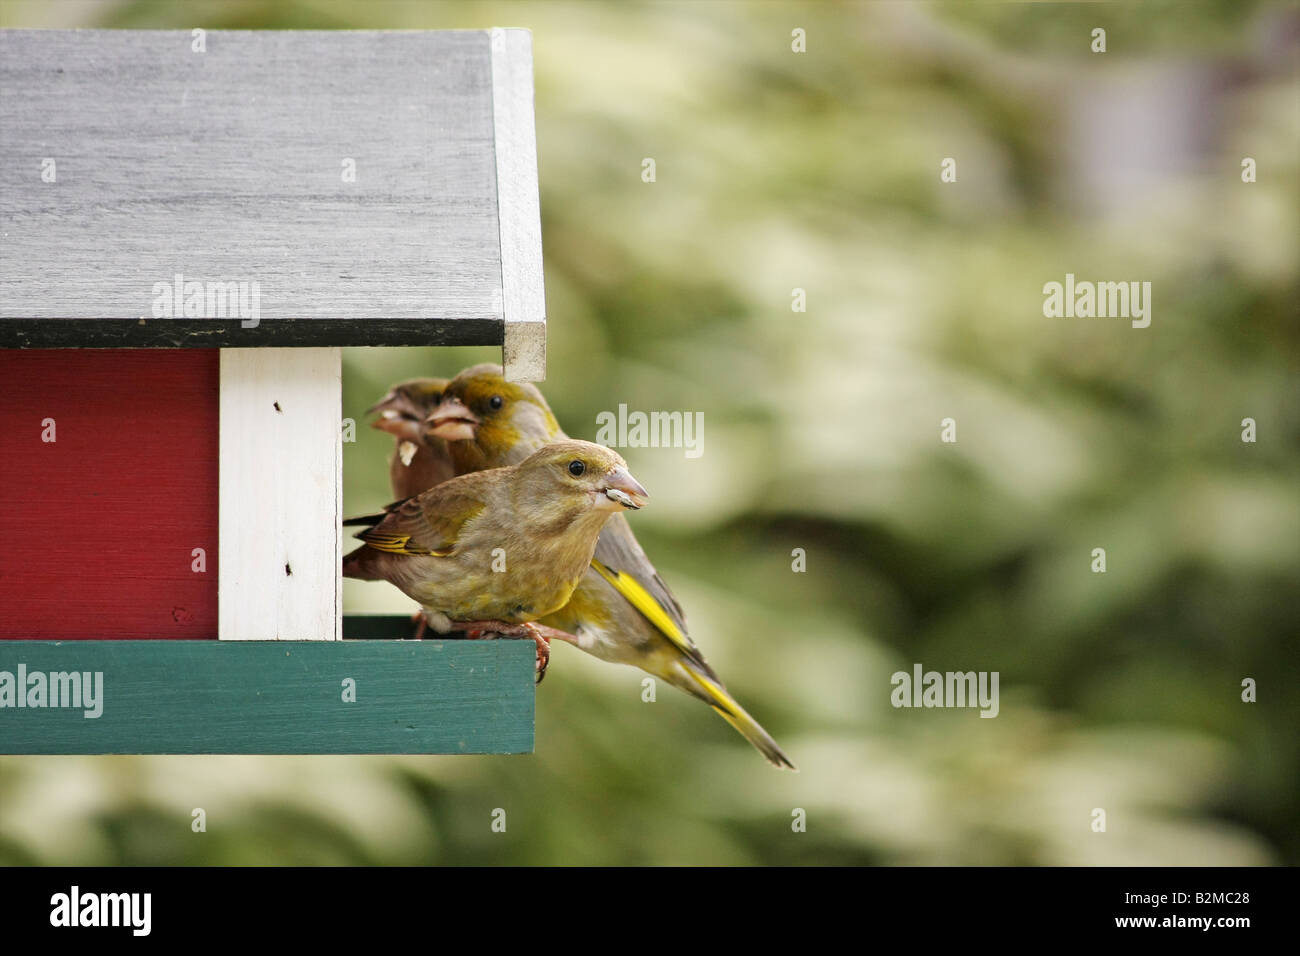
point(228, 166)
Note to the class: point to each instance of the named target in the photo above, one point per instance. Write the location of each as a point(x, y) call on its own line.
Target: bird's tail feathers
point(369, 520)
point(701, 682)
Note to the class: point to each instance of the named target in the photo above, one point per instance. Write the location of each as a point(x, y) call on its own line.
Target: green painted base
point(274, 697)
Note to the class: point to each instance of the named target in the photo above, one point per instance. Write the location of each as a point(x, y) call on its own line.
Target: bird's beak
point(388, 399)
point(452, 421)
point(622, 491)
point(396, 416)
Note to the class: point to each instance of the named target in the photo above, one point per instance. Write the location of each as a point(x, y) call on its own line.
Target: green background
point(820, 171)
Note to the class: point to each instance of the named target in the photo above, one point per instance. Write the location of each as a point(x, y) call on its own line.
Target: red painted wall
point(97, 527)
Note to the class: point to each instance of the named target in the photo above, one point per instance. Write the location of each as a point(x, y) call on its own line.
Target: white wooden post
point(281, 470)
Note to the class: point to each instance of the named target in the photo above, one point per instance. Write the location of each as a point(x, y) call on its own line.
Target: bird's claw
point(543, 651)
point(475, 630)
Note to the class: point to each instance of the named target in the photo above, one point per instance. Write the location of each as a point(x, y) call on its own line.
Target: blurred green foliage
point(820, 171)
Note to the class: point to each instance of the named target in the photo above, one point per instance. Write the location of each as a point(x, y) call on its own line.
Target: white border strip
point(518, 206)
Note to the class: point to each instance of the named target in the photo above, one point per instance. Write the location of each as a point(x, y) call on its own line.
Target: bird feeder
point(192, 224)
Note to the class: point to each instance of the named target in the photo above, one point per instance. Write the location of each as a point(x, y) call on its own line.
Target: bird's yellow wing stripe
point(643, 601)
point(398, 544)
point(392, 543)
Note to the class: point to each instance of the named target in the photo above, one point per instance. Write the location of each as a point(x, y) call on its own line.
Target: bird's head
point(403, 410)
point(591, 476)
point(504, 421)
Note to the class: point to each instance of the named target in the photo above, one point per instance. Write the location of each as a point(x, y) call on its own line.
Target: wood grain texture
point(281, 494)
point(524, 295)
point(214, 697)
point(98, 527)
point(227, 166)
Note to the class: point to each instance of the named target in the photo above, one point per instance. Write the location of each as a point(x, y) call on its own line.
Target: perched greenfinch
point(420, 459)
point(621, 610)
point(493, 551)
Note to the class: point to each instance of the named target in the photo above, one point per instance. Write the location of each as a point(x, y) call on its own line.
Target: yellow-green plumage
point(621, 610)
point(508, 544)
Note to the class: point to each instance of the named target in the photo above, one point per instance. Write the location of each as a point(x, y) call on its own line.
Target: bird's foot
point(421, 624)
point(475, 630)
point(555, 634)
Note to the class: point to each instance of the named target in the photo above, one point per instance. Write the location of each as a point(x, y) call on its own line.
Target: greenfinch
point(621, 610)
point(420, 459)
point(493, 551)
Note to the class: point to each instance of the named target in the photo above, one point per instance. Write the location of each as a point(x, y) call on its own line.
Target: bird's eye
point(576, 468)
point(496, 401)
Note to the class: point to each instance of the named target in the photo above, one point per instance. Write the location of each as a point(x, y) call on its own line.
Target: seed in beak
point(623, 489)
point(622, 497)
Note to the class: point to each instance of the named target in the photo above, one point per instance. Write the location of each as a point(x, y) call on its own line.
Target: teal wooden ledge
point(272, 697)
